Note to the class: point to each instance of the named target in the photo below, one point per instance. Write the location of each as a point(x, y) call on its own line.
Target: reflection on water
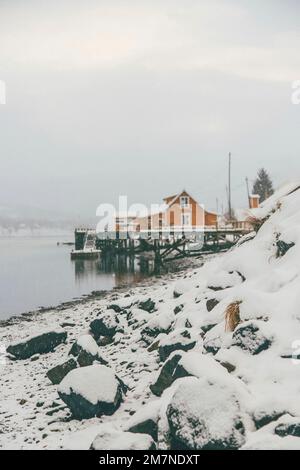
point(36, 272)
point(124, 269)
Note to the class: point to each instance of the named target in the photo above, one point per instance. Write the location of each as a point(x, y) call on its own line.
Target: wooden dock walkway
point(163, 248)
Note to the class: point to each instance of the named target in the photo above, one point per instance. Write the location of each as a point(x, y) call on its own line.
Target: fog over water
point(145, 98)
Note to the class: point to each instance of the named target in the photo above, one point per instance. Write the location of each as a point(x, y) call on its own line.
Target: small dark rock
point(211, 304)
point(147, 305)
point(178, 309)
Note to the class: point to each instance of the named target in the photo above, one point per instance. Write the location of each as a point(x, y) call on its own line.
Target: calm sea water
point(36, 272)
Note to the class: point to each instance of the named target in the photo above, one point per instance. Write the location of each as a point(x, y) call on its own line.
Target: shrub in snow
point(91, 391)
point(122, 440)
point(251, 338)
point(232, 316)
point(205, 414)
point(177, 340)
point(39, 344)
point(87, 351)
point(57, 373)
point(106, 325)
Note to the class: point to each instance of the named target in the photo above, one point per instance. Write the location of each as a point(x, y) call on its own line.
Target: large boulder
point(205, 414)
point(115, 440)
point(86, 350)
point(251, 337)
point(41, 343)
point(105, 325)
point(57, 373)
point(91, 391)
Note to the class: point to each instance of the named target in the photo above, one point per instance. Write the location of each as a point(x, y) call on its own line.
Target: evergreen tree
point(263, 185)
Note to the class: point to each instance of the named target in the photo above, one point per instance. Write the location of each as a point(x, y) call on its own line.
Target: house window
point(184, 201)
point(185, 219)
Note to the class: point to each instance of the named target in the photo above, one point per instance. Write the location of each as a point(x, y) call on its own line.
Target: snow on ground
point(244, 362)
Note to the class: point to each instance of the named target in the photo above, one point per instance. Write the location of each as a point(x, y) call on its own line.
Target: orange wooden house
point(178, 212)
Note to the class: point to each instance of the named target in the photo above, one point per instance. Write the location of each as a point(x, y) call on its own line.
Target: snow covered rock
point(86, 350)
point(181, 287)
point(250, 337)
point(289, 426)
point(160, 323)
point(205, 414)
point(166, 375)
point(57, 373)
point(40, 344)
point(224, 280)
point(122, 440)
point(212, 340)
point(145, 420)
point(105, 325)
point(176, 340)
point(186, 364)
point(137, 317)
point(147, 305)
point(91, 391)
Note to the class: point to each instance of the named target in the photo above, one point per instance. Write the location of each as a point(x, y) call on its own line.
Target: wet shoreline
point(176, 268)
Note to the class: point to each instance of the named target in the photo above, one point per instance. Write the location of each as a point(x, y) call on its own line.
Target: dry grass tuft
point(232, 316)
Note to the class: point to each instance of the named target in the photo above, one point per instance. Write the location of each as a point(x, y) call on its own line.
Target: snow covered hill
point(210, 360)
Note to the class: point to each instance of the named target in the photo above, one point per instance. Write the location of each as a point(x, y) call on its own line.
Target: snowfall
point(206, 359)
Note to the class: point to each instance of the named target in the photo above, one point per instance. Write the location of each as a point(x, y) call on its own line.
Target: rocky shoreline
point(199, 359)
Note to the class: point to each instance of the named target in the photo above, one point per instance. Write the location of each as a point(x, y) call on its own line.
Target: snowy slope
point(233, 325)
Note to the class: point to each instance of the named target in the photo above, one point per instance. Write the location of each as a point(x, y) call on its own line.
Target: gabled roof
point(169, 198)
point(171, 201)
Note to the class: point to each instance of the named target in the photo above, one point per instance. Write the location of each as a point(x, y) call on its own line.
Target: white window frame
point(183, 220)
point(184, 201)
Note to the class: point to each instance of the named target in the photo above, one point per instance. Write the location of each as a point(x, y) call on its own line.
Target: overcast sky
point(144, 98)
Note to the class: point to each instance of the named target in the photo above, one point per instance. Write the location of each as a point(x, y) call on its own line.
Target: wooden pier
point(161, 247)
